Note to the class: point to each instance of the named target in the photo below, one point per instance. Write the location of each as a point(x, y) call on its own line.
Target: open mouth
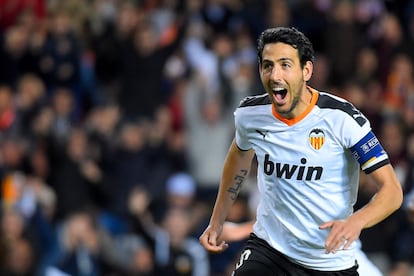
point(280, 93)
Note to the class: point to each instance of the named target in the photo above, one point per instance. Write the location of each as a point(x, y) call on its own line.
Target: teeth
point(279, 90)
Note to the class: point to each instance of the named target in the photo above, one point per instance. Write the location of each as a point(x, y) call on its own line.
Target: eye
point(286, 65)
point(267, 66)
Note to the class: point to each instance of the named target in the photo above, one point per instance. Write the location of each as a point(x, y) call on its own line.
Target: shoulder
point(256, 100)
point(252, 110)
point(328, 101)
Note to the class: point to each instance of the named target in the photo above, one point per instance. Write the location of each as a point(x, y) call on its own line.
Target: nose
point(276, 74)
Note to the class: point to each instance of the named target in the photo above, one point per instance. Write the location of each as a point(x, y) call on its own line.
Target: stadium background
point(115, 117)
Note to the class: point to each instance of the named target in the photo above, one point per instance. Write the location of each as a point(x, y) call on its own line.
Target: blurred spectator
point(321, 73)
point(176, 139)
point(75, 176)
point(398, 243)
point(30, 97)
point(341, 50)
point(142, 62)
point(8, 121)
point(311, 17)
point(237, 68)
point(111, 26)
point(102, 124)
point(354, 92)
point(41, 127)
point(216, 15)
point(134, 256)
point(181, 192)
point(13, 153)
point(167, 151)
point(129, 165)
point(373, 104)
point(278, 14)
point(366, 67)
point(141, 217)
point(63, 105)
point(387, 42)
point(399, 90)
point(16, 58)
point(59, 58)
point(13, 9)
point(20, 257)
point(201, 58)
point(81, 247)
point(143, 221)
point(392, 138)
point(208, 135)
point(185, 255)
point(402, 256)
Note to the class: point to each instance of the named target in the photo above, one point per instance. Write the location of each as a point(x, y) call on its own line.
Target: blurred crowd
point(116, 116)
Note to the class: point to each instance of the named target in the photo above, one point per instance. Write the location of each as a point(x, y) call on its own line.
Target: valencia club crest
point(316, 138)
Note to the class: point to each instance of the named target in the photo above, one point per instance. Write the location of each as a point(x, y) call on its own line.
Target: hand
point(209, 240)
point(342, 234)
point(91, 171)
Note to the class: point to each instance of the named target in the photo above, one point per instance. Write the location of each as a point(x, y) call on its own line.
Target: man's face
point(284, 79)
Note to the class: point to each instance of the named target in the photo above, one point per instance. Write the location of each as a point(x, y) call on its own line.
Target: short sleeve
point(241, 136)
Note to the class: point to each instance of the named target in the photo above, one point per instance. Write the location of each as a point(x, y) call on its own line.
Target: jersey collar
point(293, 121)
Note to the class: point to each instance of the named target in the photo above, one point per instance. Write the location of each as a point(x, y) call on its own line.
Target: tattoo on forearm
point(238, 181)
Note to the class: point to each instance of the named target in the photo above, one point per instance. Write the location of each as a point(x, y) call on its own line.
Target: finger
point(205, 239)
point(329, 242)
point(212, 239)
point(217, 248)
point(347, 243)
point(223, 246)
point(339, 243)
point(333, 246)
point(333, 242)
point(326, 225)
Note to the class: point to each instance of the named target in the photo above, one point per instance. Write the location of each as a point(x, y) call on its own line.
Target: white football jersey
point(308, 172)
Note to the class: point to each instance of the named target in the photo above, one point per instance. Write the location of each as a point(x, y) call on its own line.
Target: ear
point(307, 70)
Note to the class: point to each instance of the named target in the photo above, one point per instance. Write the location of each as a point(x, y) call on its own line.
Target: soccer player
point(310, 146)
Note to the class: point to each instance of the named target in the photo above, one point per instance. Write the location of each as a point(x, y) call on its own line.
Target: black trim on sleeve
point(255, 100)
point(325, 101)
point(377, 166)
point(240, 149)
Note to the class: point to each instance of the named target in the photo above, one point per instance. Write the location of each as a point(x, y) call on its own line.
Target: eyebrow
point(279, 60)
point(285, 59)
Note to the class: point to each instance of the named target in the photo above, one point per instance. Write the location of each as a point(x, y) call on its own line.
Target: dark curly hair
point(287, 35)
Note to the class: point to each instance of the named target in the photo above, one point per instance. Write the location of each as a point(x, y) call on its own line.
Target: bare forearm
point(235, 171)
point(386, 201)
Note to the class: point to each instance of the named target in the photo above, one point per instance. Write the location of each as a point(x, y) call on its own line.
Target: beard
point(294, 104)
